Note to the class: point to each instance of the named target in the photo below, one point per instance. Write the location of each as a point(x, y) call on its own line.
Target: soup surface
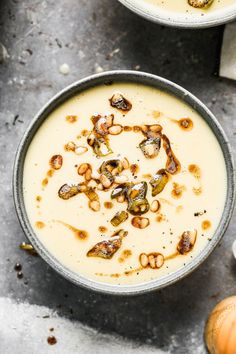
point(183, 6)
point(124, 183)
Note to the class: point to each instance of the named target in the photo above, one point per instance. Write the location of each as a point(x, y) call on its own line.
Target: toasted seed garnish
point(119, 217)
point(120, 199)
point(121, 179)
point(105, 181)
point(79, 150)
point(105, 249)
point(116, 129)
point(187, 242)
point(100, 186)
point(153, 260)
point(71, 146)
point(143, 259)
point(68, 191)
point(88, 174)
point(120, 102)
point(94, 205)
point(200, 3)
point(56, 162)
point(82, 168)
point(140, 222)
point(155, 206)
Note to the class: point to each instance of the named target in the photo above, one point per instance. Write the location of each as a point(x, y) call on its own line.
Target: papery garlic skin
point(220, 331)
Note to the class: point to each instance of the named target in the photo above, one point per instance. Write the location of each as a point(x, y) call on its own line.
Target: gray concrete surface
point(40, 36)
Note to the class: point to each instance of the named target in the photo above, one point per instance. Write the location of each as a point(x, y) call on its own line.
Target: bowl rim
point(74, 89)
point(173, 21)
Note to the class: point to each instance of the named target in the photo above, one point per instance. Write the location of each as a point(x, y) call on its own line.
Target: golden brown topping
point(187, 242)
point(140, 222)
point(200, 3)
point(177, 190)
point(156, 114)
point(108, 205)
point(134, 168)
point(150, 147)
point(121, 179)
point(39, 224)
point(83, 168)
point(137, 202)
point(85, 132)
point(105, 249)
point(159, 181)
point(105, 180)
point(119, 217)
point(44, 182)
point(155, 206)
point(120, 102)
point(38, 198)
point(68, 191)
point(56, 162)
point(127, 128)
point(136, 129)
point(50, 173)
point(206, 224)
point(79, 150)
point(115, 129)
point(71, 119)
point(102, 123)
point(28, 248)
point(125, 254)
point(153, 260)
point(102, 229)
point(160, 218)
point(94, 205)
point(186, 123)
point(195, 170)
point(91, 194)
point(71, 146)
point(88, 174)
point(172, 164)
point(120, 199)
point(152, 131)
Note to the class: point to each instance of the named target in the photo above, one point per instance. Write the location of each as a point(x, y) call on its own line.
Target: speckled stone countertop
point(91, 36)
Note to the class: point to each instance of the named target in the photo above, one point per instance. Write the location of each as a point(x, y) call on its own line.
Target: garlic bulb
point(220, 331)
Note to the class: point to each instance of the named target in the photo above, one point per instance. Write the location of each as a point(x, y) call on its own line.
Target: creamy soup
point(200, 7)
point(124, 183)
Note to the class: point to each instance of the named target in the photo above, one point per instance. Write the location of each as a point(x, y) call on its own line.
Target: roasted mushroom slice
point(172, 164)
point(200, 3)
point(159, 181)
point(119, 217)
point(106, 249)
point(187, 241)
point(137, 202)
point(150, 147)
point(68, 191)
point(120, 102)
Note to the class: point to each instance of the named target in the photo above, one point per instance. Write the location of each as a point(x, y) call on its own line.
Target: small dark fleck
point(18, 267)
point(51, 340)
point(51, 329)
point(20, 275)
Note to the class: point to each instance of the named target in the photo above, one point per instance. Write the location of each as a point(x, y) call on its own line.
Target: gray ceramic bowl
point(174, 19)
point(126, 76)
